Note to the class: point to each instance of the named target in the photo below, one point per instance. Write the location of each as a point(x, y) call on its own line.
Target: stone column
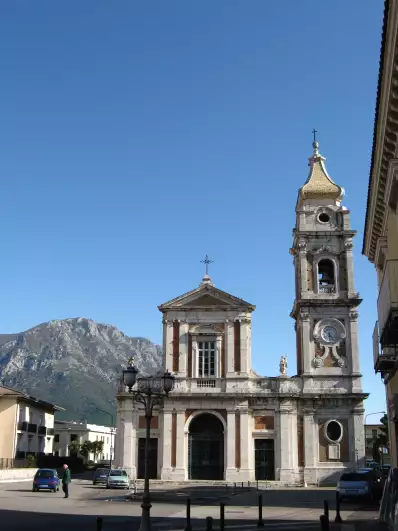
point(243, 346)
point(168, 345)
point(231, 472)
point(129, 419)
point(218, 357)
point(353, 339)
point(184, 330)
point(165, 440)
point(180, 473)
point(311, 449)
point(287, 446)
point(118, 441)
point(229, 348)
point(246, 446)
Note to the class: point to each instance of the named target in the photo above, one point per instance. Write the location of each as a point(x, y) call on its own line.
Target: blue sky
point(135, 137)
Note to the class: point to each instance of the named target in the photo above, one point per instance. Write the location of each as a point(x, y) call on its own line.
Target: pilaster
point(353, 338)
point(311, 449)
point(166, 443)
point(306, 342)
point(302, 245)
point(168, 345)
point(358, 452)
point(231, 473)
point(349, 260)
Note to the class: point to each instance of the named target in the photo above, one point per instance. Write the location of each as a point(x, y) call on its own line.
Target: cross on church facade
point(206, 262)
point(314, 132)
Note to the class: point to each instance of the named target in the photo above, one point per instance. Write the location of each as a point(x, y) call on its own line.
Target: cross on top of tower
point(206, 261)
point(314, 132)
point(315, 144)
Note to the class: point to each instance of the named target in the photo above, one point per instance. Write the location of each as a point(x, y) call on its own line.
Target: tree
point(74, 448)
point(382, 439)
point(86, 449)
point(97, 448)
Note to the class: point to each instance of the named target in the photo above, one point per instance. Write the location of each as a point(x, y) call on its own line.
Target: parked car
point(100, 476)
point(118, 479)
point(371, 464)
point(46, 479)
point(365, 483)
point(385, 469)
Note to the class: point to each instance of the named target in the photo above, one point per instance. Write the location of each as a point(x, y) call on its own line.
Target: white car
point(118, 479)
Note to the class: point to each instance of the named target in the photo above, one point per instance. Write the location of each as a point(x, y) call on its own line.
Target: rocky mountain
point(74, 363)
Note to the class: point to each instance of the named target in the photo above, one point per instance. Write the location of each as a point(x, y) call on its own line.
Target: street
point(287, 509)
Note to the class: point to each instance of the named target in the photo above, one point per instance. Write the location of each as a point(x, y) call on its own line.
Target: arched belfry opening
point(206, 448)
point(326, 276)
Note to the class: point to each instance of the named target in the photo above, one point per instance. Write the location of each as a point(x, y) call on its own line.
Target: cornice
point(384, 133)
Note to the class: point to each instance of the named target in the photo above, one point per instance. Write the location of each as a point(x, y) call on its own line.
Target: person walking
point(66, 479)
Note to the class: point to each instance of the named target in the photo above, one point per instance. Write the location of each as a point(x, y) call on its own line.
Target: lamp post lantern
point(149, 391)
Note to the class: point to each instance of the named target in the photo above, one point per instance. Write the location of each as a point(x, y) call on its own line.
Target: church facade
point(223, 421)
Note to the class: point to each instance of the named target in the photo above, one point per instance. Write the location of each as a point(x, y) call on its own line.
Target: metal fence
point(6, 462)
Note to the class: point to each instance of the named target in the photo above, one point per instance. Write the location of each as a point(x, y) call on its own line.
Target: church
point(223, 421)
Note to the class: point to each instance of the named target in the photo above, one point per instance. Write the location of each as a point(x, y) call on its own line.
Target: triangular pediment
point(207, 300)
point(206, 296)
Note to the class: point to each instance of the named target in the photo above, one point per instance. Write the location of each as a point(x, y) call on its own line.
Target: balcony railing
point(385, 358)
point(32, 428)
point(42, 430)
point(206, 383)
point(327, 289)
point(22, 426)
point(387, 304)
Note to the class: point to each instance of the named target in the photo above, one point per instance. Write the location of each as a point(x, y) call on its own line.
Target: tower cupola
point(319, 186)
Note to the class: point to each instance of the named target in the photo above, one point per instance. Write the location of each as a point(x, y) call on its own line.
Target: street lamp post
point(112, 427)
point(150, 392)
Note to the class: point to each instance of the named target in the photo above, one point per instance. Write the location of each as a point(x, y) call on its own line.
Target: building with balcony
point(69, 431)
point(223, 421)
point(380, 242)
point(27, 425)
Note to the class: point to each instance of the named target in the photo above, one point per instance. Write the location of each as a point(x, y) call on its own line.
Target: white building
point(26, 424)
point(225, 422)
point(68, 431)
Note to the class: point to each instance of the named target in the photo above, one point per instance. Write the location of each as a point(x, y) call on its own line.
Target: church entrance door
point(153, 459)
point(264, 459)
point(206, 448)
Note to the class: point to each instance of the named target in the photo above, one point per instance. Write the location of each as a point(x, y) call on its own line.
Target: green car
point(118, 479)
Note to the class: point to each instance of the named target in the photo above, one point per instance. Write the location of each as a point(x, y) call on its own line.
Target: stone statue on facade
point(283, 366)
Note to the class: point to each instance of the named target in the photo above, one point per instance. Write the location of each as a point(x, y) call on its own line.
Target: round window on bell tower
point(333, 431)
point(324, 217)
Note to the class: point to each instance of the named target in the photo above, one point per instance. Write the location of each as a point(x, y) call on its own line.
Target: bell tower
point(325, 306)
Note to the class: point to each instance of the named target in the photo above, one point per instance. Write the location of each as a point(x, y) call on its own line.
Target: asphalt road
point(290, 509)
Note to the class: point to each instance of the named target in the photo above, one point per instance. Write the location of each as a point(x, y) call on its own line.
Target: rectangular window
point(207, 359)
